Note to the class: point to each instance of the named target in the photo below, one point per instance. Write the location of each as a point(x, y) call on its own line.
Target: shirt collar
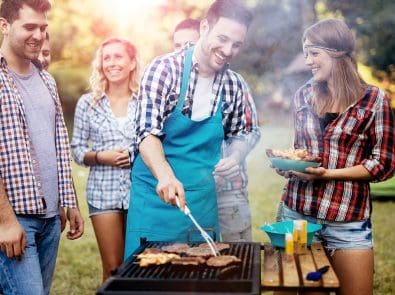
point(36, 62)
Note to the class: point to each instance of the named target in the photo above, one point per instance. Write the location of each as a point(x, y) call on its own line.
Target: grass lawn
point(78, 269)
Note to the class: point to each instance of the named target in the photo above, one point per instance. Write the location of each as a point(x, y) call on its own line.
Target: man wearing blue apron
point(189, 101)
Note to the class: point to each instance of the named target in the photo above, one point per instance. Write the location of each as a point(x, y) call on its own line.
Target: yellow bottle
point(303, 237)
point(289, 244)
point(296, 235)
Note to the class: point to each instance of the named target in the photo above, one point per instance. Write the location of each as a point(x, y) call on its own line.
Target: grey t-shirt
point(40, 116)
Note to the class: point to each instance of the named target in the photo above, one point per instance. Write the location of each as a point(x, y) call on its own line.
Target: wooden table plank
point(271, 270)
point(307, 265)
point(329, 279)
point(289, 270)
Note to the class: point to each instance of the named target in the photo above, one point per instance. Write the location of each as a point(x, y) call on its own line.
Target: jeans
point(352, 235)
point(33, 273)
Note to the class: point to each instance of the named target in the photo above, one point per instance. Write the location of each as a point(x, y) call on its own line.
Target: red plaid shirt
point(16, 168)
point(362, 134)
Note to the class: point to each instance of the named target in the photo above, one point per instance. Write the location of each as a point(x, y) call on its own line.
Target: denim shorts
point(97, 211)
point(354, 235)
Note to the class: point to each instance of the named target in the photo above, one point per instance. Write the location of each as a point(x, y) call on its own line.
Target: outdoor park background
point(271, 62)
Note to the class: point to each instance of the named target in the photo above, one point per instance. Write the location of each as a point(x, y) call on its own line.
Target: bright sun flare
point(124, 11)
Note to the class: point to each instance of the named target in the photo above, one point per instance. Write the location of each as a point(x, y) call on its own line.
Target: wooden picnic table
point(288, 273)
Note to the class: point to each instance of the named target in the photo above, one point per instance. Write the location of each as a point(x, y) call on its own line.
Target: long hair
point(98, 81)
point(336, 38)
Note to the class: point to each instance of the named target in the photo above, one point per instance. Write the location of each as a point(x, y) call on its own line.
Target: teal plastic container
point(276, 232)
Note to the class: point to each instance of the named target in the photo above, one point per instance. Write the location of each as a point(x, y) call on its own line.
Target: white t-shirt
point(203, 98)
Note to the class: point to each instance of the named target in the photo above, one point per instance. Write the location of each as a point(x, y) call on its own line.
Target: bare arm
point(169, 186)
point(12, 235)
point(354, 173)
point(116, 158)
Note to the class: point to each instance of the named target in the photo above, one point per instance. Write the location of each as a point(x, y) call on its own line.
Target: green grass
point(385, 188)
point(78, 269)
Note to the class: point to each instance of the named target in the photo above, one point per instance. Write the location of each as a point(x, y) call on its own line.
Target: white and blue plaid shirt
point(160, 88)
point(97, 129)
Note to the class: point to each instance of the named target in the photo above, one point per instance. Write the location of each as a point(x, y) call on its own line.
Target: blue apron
point(192, 148)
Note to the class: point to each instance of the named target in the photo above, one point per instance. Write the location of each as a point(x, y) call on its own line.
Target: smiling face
point(220, 43)
point(24, 37)
point(318, 60)
point(117, 65)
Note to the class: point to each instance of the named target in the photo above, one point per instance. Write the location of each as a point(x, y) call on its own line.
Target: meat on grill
point(147, 259)
point(220, 246)
point(199, 251)
point(177, 248)
point(222, 261)
point(152, 251)
point(186, 260)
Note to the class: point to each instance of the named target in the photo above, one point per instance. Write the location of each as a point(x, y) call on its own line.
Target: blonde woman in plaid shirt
point(103, 139)
point(351, 127)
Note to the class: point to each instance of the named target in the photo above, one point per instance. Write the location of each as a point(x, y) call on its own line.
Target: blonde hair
point(336, 38)
point(98, 81)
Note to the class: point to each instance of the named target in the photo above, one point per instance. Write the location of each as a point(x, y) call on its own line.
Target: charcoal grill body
point(168, 279)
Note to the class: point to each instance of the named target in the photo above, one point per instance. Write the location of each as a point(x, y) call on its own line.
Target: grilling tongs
point(204, 234)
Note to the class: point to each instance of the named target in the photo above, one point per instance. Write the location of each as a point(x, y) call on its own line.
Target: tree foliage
point(374, 23)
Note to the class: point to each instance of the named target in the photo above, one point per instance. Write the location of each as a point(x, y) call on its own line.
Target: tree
point(374, 23)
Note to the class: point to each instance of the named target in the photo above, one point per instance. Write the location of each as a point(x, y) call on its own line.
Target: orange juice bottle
point(289, 246)
point(303, 237)
point(296, 235)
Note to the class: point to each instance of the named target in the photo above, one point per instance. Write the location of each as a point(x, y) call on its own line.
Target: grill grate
point(171, 279)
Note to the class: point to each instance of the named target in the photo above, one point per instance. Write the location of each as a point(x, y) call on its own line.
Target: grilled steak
point(199, 251)
point(176, 248)
point(220, 246)
point(222, 261)
point(193, 260)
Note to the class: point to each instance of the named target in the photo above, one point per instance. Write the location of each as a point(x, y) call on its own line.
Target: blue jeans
point(33, 273)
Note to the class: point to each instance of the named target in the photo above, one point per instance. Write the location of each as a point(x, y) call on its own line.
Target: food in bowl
point(296, 160)
point(292, 154)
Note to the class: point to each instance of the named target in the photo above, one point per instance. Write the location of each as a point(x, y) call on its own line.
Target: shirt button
point(39, 184)
point(34, 161)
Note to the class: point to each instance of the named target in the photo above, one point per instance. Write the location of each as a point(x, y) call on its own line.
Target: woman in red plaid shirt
point(349, 125)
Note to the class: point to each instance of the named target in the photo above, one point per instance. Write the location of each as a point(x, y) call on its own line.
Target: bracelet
point(96, 159)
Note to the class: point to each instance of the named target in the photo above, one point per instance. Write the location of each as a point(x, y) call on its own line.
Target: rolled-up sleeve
point(81, 130)
point(381, 163)
point(152, 102)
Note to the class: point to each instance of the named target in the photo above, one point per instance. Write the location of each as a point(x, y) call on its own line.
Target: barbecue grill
point(168, 279)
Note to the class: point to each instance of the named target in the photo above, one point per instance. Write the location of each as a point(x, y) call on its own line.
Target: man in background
point(45, 53)
point(233, 206)
point(186, 31)
point(35, 170)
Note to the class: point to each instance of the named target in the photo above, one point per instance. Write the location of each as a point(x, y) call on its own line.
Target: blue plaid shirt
point(96, 129)
point(160, 88)
point(16, 150)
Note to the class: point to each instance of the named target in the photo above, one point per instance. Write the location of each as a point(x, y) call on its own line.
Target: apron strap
point(185, 81)
point(185, 77)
